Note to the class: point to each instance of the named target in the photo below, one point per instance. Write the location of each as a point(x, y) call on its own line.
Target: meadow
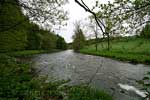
point(132, 49)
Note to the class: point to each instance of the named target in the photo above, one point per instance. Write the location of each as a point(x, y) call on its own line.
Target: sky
point(76, 13)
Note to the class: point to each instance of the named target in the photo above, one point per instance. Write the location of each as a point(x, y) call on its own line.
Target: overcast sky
point(75, 13)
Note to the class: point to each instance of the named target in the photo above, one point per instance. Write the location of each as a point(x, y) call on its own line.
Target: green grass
point(29, 52)
point(26, 52)
point(136, 50)
point(87, 93)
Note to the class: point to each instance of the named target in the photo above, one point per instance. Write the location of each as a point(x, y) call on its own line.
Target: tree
point(102, 18)
point(34, 37)
point(17, 32)
point(45, 13)
point(48, 40)
point(145, 33)
point(125, 16)
point(93, 27)
point(16, 38)
point(78, 37)
point(61, 44)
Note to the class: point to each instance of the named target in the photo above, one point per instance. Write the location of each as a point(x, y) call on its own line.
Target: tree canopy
point(61, 44)
point(120, 16)
point(45, 13)
point(17, 32)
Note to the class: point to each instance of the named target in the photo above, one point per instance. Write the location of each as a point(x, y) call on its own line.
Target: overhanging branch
point(86, 8)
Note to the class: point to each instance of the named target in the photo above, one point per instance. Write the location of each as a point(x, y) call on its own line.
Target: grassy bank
point(29, 52)
point(20, 82)
point(87, 93)
point(135, 50)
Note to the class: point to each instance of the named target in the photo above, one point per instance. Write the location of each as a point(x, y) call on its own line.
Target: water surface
point(99, 72)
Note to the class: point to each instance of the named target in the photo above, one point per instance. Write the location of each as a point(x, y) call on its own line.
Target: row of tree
point(18, 33)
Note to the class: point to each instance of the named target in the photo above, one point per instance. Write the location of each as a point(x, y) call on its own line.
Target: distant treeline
point(18, 33)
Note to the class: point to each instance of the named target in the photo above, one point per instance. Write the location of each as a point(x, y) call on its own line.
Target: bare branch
point(86, 8)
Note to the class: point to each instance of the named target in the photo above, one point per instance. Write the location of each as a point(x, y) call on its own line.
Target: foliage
point(61, 44)
point(34, 37)
point(18, 33)
point(48, 41)
point(145, 33)
point(25, 53)
point(16, 38)
point(126, 16)
point(119, 17)
point(46, 18)
point(20, 82)
point(86, 93)
point(36, 12)
point(132, 49)
point(5, 59)
point(78, 38)
point(94, 29)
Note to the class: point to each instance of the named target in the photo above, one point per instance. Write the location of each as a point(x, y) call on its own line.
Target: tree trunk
point(108, 41)
point(96, 44)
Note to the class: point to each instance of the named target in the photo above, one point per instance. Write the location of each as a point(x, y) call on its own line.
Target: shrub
point(18, 82)
point(146, 32)
point(87, 93)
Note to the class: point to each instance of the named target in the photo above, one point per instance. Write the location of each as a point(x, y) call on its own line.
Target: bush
point(60, 43)
point(146, 32)
point(5, 59)
point(87, 93)
point(18, 82)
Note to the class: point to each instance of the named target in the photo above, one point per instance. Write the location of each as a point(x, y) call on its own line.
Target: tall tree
point(61, 44)
point(145, 33)
point(119, 17)
point(102, 18)
point(16, 38)
point(48, 40)
point(78, 37)
point(45, 13)
point(26, 35)
point(93, 26)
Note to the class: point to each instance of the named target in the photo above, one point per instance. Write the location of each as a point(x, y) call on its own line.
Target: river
point(102, 73)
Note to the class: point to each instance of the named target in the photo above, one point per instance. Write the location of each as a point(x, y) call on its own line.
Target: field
point(132, 49)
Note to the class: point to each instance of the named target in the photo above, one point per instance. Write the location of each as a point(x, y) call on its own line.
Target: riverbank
point(25, 53)
point(20, 81)
point(134, 50)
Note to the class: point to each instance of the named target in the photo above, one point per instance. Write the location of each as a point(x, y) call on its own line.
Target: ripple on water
point(132, 88)
point(80, 68)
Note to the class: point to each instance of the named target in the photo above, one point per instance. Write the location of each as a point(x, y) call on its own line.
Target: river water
point(99, 72)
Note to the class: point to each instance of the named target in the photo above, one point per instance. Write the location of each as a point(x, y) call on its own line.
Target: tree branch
point(86, 8)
